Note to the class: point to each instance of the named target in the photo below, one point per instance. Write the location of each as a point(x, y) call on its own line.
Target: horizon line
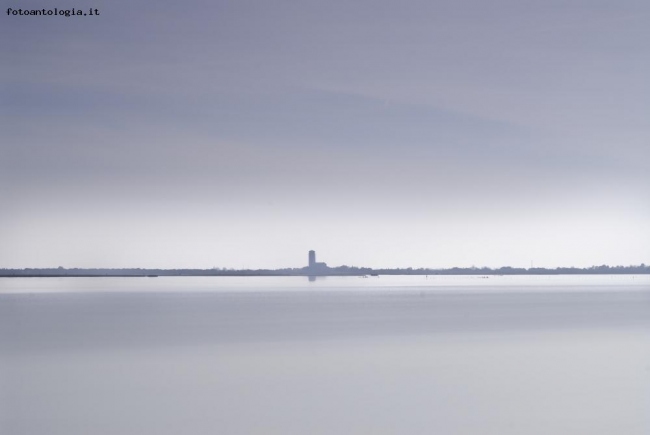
point(341, 267)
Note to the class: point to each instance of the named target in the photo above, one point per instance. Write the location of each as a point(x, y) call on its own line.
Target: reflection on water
point(387, 355)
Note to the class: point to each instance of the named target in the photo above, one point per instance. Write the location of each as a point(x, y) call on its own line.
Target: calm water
point(377, 355)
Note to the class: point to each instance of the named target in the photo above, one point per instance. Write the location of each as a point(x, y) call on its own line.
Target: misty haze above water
point(417, 355)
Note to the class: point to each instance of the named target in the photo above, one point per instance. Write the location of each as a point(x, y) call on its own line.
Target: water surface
point(344, 355)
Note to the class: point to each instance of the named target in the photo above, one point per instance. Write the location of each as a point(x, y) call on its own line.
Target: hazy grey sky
point(379, 133)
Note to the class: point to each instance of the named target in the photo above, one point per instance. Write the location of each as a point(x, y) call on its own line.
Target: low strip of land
point(329, 271)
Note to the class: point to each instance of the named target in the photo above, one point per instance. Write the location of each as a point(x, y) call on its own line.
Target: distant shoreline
point(334, 271)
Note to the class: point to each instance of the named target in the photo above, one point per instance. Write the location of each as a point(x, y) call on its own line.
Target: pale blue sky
point(384, 133)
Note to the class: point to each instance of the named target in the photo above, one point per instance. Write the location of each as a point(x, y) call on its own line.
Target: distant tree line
point(507, 270)
point(331, 271)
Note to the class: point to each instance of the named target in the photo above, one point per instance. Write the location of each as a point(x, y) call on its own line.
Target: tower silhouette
point(312, 259)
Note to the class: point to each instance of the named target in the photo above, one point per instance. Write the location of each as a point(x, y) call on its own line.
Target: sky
point(242, 134)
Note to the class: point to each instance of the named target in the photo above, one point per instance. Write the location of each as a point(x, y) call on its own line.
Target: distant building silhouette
point(312, 259)
point(314, 267)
